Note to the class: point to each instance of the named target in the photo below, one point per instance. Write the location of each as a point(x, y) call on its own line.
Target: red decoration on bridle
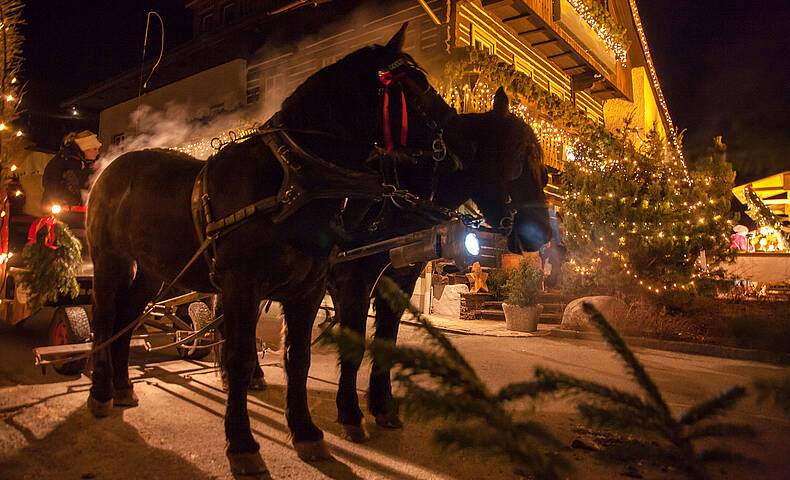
point(48, 222)
point(386, 78)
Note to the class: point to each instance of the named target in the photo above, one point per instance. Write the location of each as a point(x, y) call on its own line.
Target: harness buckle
point(289, 195)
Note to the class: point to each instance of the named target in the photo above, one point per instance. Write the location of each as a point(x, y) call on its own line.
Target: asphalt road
point(46, 431)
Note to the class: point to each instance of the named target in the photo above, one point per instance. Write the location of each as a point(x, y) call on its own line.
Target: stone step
point(553, 307)
point(550, 297)
point(492, 305)
point(492, 315)
point(551, 318)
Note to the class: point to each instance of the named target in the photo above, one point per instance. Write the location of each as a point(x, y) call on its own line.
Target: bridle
point(418, 98)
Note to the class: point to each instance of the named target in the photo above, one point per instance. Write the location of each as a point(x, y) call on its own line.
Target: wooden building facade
point(268, 47)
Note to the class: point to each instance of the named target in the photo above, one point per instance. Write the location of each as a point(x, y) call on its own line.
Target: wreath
point(51, 260)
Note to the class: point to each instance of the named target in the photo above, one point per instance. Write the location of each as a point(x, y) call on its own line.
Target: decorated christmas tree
point(638, 220)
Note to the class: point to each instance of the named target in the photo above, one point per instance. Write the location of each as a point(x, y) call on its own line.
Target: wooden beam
point(489, 3)
point(516, 17)
point(568, 69)
point(558, 55)
point(544, 42)
point(534, 30)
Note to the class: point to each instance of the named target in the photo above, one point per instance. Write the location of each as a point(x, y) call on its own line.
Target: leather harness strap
point(306, 178)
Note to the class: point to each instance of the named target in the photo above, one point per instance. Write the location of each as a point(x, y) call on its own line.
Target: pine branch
point(618, 418)
point(567, 382)
point(636, 369)
point(777, 390)
point(718, 430)
point(713, 406)
point(720, 455)
point(532, 389)
point(398, 301)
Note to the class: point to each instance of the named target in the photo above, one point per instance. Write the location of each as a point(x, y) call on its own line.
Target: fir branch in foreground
point(440, 384)
point(652, 417)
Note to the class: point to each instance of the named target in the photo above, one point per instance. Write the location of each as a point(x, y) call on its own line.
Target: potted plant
point(524, 285)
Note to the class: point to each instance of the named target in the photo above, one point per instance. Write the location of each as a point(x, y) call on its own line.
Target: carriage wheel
point(197, 315)
point(70, 325)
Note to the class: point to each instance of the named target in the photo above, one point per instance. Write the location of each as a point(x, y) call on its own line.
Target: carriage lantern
point(452, 240)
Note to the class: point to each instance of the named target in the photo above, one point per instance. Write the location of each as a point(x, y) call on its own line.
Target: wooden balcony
point(541, 26)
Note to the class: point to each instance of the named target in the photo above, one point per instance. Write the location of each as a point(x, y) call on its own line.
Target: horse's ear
point(501, 102)
point(396, 42)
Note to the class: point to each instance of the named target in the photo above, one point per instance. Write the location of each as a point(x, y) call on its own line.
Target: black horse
point(141, 228)
point(507, 173)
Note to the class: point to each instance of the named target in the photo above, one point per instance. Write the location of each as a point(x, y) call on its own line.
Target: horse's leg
point(257, 383)
point(112, 276)
point(129, 305)
point(300, 313)
point(350, 296)
point(240, 304)
point(380, 400)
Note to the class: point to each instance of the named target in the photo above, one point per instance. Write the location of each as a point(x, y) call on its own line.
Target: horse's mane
point(330, 78)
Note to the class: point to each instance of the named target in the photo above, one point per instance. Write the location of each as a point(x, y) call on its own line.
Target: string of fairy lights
point(611, 43)
point(672, 134)
point(204, 147)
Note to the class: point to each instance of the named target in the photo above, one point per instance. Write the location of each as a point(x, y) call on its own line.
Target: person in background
point(738, 238)
point(68, 172)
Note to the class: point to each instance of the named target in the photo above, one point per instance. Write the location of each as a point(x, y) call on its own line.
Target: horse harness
point(307, 177)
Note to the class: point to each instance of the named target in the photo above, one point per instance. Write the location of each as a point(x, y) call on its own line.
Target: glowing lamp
point(56, 209)
point(452, 240)
point(13, 168)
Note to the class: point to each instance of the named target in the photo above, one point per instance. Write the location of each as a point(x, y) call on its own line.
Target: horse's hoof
point(247, 464)
point(125, 398)
point(257, 384)
point(355, 433)
point(99, 409)
point(311, 451)
point(388, 421)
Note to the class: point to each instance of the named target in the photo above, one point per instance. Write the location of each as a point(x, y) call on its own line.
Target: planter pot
point(522, 319)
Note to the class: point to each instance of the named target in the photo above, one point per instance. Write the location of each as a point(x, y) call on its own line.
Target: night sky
point(724, 66)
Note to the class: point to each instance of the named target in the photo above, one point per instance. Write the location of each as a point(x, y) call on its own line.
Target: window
point(118, 138)
point(229, 13)
point(206, 22)
point(253, 94)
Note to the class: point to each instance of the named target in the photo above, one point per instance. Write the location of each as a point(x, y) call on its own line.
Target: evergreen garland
point(562, 113)
point(50, 272)
point(602, 23)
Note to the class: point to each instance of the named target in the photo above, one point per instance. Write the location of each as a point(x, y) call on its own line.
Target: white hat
point(87, 140)
point(740, 229)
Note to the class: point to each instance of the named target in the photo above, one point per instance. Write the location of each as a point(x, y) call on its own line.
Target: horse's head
point(362, 98)
point(507, 175)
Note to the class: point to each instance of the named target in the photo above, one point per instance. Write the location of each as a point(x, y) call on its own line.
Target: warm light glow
point(55, 209)
point(9, 98)
point(19, 133)
point(18, 193)
point(13, 168)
